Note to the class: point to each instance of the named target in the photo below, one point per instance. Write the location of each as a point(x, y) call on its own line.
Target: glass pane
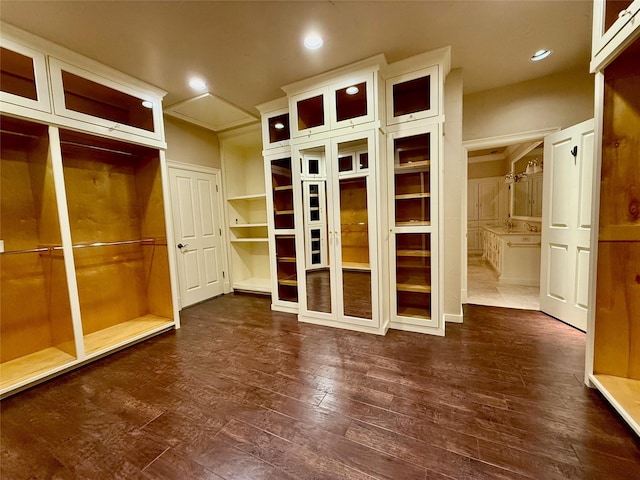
point(413, 274)
point(345, 163)
point(354, 241)
point(412, 96)
point(314, 166)
point(310, 113)
point(612, 10)
point(279, 128)
point(282, 185)
point(364, 161)
point(351, 102)
point(286, 268)
point(17, 74)
point(412, 180)
point(91, 98)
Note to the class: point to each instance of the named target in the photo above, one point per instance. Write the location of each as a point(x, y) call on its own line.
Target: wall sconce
point(510, 178)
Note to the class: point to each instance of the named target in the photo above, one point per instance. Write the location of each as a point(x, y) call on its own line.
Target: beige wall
point(559, 100)
point(454, 165)
point(189, 143)
point(496, 168)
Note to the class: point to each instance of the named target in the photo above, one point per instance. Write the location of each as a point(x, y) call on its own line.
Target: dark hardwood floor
point(241, 392)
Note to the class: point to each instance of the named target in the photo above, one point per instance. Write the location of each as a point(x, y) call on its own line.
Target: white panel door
point(566, 223)
point(197, 228)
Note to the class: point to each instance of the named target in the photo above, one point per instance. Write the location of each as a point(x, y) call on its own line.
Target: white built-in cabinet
point(483, 201)
point(246, 209)
point(352, 166)
point(85, 267)
point(613, 328)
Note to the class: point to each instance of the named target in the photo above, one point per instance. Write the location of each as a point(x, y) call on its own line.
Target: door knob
point(181, 246)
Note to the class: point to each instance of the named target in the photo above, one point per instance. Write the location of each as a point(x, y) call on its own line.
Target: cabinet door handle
point(624, 13)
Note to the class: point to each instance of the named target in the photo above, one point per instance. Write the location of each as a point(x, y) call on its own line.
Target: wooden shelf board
point(286, 259)
point(412, 196)
point(413, 224)
point(116, 334)
point(413, 287)
point(283, 188)
point(292, 282)
point(29, 366)
point(253, 284)
point(253, 196)
point(250, 240)
point(284, 212)
point(413, 312)
point(285, 236)
point(413, 253)
point(412, 165)
point(248, 225)
point(625, 391)
point(356, 266)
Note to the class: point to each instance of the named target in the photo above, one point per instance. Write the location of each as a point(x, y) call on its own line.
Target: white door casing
point(566, 223)
point(195, 202)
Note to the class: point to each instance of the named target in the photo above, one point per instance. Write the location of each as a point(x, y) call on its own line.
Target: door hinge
point(220, 230)
point(216, 187)
point(223, 274)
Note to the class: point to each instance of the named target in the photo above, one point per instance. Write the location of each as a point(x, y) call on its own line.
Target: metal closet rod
point(94, 147)
point(82, 245)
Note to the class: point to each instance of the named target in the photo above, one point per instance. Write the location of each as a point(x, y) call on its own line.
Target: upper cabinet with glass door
point(276, 126)
point(616, 25)
point(23, 77)
point(345, 98)
point(85, 96)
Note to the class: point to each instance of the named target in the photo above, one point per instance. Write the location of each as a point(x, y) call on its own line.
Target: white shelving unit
point(246, 212)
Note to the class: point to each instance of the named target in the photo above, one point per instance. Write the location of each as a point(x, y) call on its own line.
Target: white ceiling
point(247, 50)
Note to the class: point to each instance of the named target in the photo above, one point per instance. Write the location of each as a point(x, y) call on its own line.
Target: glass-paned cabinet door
point(23, 76)
point(276, 130)
point(309, 113)
point(286, 267)
point(413, 186)
point(412, 96)
point(413, 275)
point(85, 96)
point(353, 101)
point(610, 17)
point(282, 191)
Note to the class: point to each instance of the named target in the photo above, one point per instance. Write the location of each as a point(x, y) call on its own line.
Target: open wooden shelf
point(282, 188)
point(284, 212)
point(253, 196)
point(626, 395)
point(412, 165)
point(32, 365)
point(250, 240)
point(292, 281)
point(413, 287)
point(413, 253)
point(286, 259)
point(122, 332)
point(412, 196)
point(417, 223)
point(414, 312)
point(356, 266)
point(248, 225)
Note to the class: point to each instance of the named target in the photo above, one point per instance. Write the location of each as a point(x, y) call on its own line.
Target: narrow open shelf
point(248, 225)
point(253, 196)
point(32, 365)
point(282, 188)
point(284, 212)
point(292, 281)
point(412, 196)
point(413, 165)
point(250, 240)
point(413, 253)
point(120, 333)
point(413, 287)
point(414, 312)
point(416, 223)
point(626, 395)
point(287, 259)
point(356, 266)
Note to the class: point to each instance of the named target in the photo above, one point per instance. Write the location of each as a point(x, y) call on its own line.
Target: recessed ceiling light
point(352, 90)
point(540, 55)
point(197, 84)
point(279, 126)
point(147, 104)
point(313, 41)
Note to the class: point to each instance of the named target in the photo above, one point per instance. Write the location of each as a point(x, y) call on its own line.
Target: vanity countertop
point(502, 230)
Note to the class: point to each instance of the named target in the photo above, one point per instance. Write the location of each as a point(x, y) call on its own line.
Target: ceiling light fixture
point(197, 84)
point(313, 41)
point(352, 90)
point(540, 55)
point(279, 126)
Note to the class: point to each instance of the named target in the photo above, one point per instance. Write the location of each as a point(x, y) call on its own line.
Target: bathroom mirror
point(525, 181)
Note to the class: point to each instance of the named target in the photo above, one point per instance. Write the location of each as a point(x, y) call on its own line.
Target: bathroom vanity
point(514, 253)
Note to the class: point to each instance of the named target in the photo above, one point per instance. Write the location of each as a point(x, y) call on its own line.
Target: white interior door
point(566, 223)
point(197, 225)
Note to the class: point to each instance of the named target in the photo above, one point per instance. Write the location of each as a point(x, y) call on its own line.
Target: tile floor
point(483, 288)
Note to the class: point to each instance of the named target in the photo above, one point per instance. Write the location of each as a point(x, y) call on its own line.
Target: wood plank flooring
point(241, 392)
